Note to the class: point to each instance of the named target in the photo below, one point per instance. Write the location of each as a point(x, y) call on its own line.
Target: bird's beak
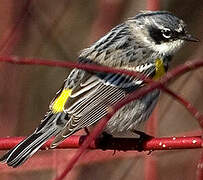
point(189, 37)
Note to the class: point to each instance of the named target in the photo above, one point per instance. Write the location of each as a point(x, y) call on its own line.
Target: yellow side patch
point(59, 103)
point(160, 70)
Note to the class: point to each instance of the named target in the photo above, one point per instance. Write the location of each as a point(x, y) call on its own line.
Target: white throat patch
point(167, 48)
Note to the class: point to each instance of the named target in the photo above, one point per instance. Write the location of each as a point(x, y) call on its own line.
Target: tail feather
point(25, 149)
point(18, 155)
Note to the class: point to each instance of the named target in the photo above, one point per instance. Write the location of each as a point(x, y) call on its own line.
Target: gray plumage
point(135, 45)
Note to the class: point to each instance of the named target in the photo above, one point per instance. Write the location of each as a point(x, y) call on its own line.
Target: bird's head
point(160, 31)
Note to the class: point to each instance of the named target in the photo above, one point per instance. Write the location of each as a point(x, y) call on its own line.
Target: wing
point(87, 104)
point(90, 99)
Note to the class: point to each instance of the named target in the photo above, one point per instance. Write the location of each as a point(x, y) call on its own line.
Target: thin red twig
point(196, 114)
point(68, 64)
point(150, 168)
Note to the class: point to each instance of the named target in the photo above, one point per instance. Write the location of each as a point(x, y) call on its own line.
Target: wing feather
point(90, 100)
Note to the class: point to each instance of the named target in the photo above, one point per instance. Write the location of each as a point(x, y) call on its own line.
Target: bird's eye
point(166, 33)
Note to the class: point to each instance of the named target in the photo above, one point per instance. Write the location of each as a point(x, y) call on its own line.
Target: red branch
point(165, 143)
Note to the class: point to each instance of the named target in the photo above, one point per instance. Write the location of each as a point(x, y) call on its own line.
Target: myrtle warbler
point(144, 43)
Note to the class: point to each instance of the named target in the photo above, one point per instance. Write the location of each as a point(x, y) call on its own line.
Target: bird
point(144, 43)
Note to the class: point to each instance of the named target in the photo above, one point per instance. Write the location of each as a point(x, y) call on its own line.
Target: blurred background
point(52, 29)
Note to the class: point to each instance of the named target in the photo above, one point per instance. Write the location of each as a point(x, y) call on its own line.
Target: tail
point(25, 149)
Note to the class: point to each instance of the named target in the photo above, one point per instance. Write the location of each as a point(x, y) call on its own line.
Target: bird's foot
point(103, 140)
point(142, 139)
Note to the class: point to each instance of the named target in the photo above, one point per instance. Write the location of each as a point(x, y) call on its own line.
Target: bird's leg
point(142, 139)
point(103, 140)
point(105, 135)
